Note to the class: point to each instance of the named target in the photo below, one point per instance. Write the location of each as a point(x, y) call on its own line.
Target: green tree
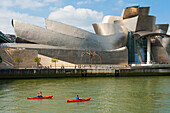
point(54, 60)
point(18, 60)
point(0, 59)
point(37, 60)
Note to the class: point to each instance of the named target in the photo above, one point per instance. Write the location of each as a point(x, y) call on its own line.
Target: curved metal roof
point(144, 34)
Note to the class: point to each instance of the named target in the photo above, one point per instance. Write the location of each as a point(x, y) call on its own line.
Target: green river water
point(108, 95)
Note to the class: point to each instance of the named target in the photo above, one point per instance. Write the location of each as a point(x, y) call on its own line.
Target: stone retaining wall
point(58, 73)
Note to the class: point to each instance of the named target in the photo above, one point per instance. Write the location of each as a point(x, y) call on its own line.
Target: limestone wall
point(74, 56)
point(8, 56)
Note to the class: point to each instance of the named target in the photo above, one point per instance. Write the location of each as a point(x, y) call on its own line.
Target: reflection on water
point(133, 94)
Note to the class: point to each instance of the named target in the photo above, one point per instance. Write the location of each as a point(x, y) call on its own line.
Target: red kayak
point(85, 99)
point(44, 97)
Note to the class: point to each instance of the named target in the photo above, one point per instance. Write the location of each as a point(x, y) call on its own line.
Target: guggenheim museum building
point(130, 38)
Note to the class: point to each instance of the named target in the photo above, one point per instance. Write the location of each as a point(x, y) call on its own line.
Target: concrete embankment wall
point(144, 72)
point(61, 73)
point(50, 73)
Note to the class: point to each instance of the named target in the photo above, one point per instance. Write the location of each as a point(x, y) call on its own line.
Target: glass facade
point(137, 49)
point(141, 49)
point(130, 46)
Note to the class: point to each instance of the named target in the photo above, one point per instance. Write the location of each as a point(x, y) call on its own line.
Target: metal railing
point(4, 38)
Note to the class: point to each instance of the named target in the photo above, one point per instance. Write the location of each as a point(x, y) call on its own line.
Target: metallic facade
point(72, 45)
point(131, 38)
point(109, 29)
point(92, 41)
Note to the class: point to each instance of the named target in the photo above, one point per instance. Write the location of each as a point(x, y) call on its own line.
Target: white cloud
point(29, 4)
point(6, 3)
point(88, 2)
point(82, 18)
point(84, 2)
point(52, 8)
point(120, 2)
point(50, 1)
point(100, 0)
point(119, 5)
point(131, 4)
point(6, 16)
point(116, 9)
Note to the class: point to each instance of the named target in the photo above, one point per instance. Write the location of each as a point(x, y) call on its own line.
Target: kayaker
point(41, 94)
point(77, 98)
point(38, 95)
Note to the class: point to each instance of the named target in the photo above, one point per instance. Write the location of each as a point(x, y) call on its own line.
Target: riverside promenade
point(93, 71)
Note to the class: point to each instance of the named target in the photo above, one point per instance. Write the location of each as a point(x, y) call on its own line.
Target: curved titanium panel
point(40, 35)
point(145, 23)
point(130, 23)
point(138, 23)
point(130, 12)
point(159, 53)
point(95, 42)
point(143, 10)
point(109, 28)
point(166, 44)
point(122, 14)
point(147, 33)
point(66, 29)
point(110, 19)
point(163, 27)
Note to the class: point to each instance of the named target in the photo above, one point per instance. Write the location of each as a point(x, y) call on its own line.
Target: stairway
point(46, 62)
point(7, 58)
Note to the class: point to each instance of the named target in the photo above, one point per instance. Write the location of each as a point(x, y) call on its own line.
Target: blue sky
point(79, 13)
